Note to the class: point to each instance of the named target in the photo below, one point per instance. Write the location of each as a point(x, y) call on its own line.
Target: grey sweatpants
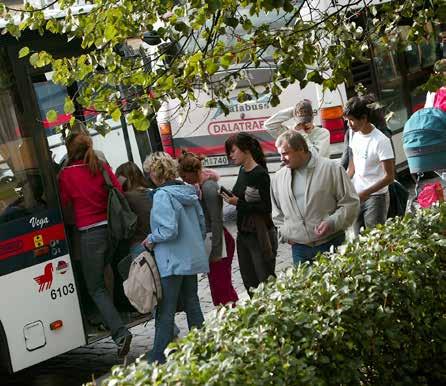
point(373, 211)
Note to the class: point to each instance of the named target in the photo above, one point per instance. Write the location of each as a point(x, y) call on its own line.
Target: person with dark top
point(82, 185)
point(256, 236)
point(137, 192)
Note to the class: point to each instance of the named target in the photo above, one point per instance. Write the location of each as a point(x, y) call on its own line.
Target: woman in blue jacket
point(177, 238)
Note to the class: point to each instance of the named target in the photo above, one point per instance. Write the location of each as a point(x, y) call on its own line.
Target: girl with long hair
point(82, 185)
point(137, 192)
point(256, 236)
point(221, 244)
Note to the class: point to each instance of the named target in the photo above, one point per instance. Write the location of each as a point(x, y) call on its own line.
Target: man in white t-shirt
point(372, 167)
point(300, 118)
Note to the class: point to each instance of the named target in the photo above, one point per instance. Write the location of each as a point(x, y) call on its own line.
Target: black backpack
point(120, 218)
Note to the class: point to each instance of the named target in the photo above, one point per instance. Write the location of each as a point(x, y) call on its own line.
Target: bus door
point(116, 150)
point(40, 315)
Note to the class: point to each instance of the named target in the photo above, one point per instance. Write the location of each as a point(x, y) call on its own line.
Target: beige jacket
point(317, 139)
point(329, 195)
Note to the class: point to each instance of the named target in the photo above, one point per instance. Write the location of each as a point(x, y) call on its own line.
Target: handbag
point(121, 220)
point(143, 285)
point(398, 199)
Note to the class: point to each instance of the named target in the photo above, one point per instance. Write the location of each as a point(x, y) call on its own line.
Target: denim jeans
point(373, 211)
point(93, 254)
point(173, 286)
point(302, 253)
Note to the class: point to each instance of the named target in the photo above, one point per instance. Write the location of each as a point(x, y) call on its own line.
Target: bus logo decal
point(46, 280)
point(62, 267)
point(38, 241)
point(261, 103)
point(236, 126)
point(39, 222)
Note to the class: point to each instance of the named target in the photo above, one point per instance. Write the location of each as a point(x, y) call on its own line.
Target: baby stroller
point(424, 142)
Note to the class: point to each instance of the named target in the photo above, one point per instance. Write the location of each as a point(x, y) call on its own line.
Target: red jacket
point(86, 192)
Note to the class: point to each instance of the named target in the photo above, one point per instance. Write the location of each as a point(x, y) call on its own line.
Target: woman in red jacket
point(82, 185)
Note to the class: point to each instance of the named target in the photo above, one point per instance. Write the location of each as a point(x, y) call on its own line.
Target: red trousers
point(220, 275)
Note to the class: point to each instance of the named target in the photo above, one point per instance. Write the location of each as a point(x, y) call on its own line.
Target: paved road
point(81, 365)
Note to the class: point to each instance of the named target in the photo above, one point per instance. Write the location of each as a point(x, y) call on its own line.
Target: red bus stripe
point(30, 241)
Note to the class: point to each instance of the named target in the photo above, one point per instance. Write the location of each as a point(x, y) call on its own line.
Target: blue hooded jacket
point(178, 231)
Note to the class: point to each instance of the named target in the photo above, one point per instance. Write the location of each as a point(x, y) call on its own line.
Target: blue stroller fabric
point(424, 140)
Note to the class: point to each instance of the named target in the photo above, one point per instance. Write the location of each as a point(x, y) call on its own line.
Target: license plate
point(220, 160)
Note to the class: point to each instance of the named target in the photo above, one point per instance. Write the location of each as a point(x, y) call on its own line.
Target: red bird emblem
point(44, 281)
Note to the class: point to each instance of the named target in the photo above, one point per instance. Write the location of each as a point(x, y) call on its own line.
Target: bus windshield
point(22, 190)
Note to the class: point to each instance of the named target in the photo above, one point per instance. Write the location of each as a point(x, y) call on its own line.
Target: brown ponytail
point(190, 162)
point(80, 147)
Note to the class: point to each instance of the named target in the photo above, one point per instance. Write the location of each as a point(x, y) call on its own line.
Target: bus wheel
point(5, 358)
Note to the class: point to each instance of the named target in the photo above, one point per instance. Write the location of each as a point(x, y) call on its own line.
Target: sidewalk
point(143, 335)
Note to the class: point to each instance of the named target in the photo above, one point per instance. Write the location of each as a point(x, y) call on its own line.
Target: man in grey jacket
point(313, 199)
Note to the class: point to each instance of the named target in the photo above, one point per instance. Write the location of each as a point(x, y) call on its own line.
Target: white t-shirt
point(369, 150)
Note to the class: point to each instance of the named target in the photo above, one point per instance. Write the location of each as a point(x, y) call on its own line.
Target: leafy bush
point(374, 314)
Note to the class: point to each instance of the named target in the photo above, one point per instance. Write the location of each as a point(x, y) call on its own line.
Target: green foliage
point(51, 115)
point(302, 41)
point(372, 315)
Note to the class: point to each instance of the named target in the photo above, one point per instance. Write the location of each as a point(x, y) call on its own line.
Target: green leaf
point(23, 52)
point(227, 59)
point(211, 67)
point(110, 31)
point(68, 106)
point(51, 115)
point(116, 115)
point(141, 124)
point(33, 59)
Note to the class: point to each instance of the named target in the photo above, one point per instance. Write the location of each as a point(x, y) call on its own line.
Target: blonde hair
point(162, 165)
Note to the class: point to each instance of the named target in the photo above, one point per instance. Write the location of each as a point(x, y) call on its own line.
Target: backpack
point(143, 285)
point(424, 140)
point(121, 220)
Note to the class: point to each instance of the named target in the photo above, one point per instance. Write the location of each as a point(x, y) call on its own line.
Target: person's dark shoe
point(124, 345)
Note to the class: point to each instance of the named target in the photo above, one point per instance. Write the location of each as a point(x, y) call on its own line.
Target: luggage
point(143, 284)
point(424, 140)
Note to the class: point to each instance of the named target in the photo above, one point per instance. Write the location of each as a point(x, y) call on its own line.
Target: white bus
point(392, 76)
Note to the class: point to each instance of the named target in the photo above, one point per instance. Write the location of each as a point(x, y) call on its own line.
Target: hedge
point(374, 314)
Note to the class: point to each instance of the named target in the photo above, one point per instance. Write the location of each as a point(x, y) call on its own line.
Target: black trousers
point(255, 267)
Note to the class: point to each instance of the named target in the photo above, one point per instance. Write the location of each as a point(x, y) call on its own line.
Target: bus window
point(51, 96)
point(412, 56)
point(22, 190)
point(389, 83)
point(428, 53)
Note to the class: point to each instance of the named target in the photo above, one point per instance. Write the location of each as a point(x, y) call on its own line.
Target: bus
point(45, 309)
point(392, 75)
